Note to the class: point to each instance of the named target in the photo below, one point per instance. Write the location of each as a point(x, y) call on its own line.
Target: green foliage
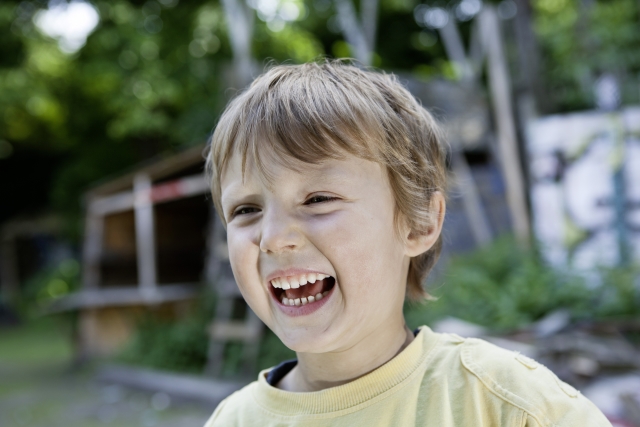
point(504, 286)
point(51, 284)
point(151, 78)
point(619, 293)
point(582, 39)
point(182, 345)
point(175, 345)
point(164, 344)
point(131, 92)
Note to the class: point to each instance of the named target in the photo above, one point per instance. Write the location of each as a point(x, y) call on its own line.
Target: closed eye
point(319, 199)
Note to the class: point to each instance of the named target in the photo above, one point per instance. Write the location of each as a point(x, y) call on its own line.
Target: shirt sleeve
point(523, 383)
point(216, 415)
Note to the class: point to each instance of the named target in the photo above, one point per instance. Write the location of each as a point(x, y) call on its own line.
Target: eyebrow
point(329, 174)
point(236, 196)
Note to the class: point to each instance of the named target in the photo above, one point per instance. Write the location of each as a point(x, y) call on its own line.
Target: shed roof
point(156, 168)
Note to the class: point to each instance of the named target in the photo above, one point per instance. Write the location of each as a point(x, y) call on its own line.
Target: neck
point(318, 371)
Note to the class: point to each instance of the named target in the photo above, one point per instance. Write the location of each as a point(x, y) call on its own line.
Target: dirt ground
point(38, 388)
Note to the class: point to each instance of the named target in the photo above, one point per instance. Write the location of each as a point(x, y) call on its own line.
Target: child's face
point(334, 219)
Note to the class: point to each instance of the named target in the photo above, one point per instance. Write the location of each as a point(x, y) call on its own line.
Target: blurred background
point(117, 303)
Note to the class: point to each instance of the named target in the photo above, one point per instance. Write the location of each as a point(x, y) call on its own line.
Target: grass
point(41, 341)
point(38, 388)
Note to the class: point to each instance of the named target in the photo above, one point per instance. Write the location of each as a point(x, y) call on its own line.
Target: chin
point(303, 340)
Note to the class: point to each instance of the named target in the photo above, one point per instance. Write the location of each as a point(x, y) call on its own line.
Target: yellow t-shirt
point(439, 380)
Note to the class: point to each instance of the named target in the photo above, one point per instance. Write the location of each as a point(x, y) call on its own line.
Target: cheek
point(364, 251)
point(243, 256)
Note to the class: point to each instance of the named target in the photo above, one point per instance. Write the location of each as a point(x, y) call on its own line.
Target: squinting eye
point(319, 199)
point(244, 211)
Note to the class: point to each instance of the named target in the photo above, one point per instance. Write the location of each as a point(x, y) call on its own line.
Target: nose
point(279, 232)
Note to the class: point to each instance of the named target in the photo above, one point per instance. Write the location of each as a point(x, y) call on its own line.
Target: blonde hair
point(322, 110)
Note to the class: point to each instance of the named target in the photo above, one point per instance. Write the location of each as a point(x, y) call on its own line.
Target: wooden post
point(240, 28)
point(500, 87)
point(455, 50)
point(369, 19)
point(353, 32)
point(145, 241)
point(471, 201)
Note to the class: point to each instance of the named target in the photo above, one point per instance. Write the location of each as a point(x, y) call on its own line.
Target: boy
point(330, 180)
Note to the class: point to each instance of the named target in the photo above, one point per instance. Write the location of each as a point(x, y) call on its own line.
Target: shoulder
point(231, 410)
point(526, 384)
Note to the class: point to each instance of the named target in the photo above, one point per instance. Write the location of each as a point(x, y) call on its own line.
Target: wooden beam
point(369, 19)
point(179, 386)
point(120, 202)
point(240, 19)
point(156, 168)
point(145, 234)
point(500, 87)
point(163, 192)
point(122, 296)
point(238, 330)
point(353, 31)
point(452, 42)
point(471, 201)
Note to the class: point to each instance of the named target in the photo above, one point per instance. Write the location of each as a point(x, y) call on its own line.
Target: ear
point(418, 243)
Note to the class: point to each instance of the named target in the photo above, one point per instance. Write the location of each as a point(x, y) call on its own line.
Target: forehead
point(282, 173)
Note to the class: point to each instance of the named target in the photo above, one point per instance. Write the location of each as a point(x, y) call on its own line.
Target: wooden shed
point(152, 240)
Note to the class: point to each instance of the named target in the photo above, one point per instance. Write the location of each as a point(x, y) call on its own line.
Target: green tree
point(580, 40)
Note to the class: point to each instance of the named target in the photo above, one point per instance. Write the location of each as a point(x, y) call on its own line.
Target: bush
point(182, 345)
point(175, 345)
point(171, 345)
point(50, 284)
point(504, 286)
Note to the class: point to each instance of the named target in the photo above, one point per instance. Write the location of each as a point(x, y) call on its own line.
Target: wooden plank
point(240, 38)
point(123, 296)
point(175, 385)
point(179, 188)
point(471, 201)
point(145, 234)
point(112, 204)
point(156, 169)
point(235, 330)
point(353, 31)
point(452, 42)
point(369, 19)
point(500, 87)
point(160, 193)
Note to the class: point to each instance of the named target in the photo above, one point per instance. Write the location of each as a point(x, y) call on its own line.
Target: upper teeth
point(293, 282)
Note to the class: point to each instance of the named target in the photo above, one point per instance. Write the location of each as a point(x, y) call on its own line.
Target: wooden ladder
point(224, 328)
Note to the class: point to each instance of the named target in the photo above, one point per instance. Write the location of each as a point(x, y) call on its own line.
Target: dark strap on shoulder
point(276, 374)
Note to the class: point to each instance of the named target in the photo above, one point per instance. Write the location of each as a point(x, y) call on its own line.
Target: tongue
point(307, 290)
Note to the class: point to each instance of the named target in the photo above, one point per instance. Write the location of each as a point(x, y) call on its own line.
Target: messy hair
point(322, 110)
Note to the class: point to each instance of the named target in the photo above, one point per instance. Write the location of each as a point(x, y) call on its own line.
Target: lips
point(301, 289)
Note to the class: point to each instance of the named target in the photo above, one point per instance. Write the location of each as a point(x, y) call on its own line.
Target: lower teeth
point(304, 300)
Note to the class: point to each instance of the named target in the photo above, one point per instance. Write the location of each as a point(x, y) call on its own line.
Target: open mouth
point(303, 289)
